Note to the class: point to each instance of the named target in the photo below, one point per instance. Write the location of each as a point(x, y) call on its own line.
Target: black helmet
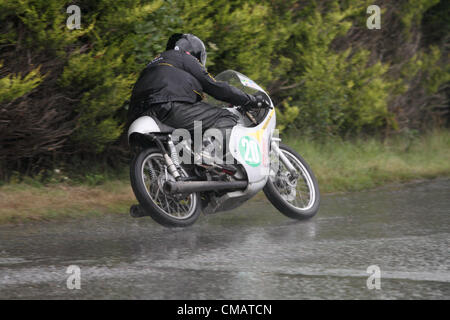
point(190, 43)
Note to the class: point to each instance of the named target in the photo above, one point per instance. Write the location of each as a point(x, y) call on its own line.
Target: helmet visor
point(203, 58)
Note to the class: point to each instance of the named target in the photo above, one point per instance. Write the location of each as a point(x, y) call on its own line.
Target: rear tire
point(147, 176)
point(281, 194)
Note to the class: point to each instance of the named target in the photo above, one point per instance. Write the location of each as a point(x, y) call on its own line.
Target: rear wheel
point(296, 196)
point(148, 173)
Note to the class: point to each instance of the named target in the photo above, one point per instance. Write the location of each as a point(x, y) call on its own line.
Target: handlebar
point(252, 118)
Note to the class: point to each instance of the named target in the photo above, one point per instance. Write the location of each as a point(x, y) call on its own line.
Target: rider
point(171, 89)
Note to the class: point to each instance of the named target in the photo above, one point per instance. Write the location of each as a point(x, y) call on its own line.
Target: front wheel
point(148, 173)
point(296, 196)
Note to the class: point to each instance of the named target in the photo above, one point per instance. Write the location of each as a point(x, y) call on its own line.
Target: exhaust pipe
point(200, 186)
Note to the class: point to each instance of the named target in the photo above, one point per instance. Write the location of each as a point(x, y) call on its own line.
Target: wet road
point(250, 253)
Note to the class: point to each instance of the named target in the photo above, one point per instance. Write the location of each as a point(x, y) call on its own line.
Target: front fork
point(282, 157)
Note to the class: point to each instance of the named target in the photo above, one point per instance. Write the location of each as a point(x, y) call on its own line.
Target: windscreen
point(237, 80)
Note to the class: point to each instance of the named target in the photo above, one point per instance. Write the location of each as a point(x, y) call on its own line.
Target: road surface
point(253, 252)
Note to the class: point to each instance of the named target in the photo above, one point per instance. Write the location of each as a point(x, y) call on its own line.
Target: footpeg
point(136, 211)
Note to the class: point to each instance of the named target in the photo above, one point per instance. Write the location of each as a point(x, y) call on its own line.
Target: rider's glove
point(257, 101)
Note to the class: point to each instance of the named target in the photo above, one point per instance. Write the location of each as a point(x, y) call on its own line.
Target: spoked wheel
point(148, 173)
point(296, 196)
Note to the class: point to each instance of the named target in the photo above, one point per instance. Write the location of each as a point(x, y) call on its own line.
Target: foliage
point(62, 91)
point(341, 93)
point(14, 86)
point(76, 108)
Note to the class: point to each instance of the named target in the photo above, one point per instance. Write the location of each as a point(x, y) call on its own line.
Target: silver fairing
point(144, 124)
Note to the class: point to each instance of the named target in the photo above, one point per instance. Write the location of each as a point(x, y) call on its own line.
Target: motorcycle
point(174, 192)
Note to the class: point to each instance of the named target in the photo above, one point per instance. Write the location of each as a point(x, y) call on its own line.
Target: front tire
point(296, 198)
point(147, 175)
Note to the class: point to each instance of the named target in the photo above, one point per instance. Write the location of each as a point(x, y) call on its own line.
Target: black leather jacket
point(178, 76)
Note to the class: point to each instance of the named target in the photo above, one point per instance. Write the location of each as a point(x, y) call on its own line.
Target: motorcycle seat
point(164, 128)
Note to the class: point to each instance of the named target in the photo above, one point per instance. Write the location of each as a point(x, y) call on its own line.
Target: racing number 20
point(251, 151)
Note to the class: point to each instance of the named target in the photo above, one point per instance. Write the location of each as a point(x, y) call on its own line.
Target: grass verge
point(342, 166)
point(339, 165)
point(22, 202)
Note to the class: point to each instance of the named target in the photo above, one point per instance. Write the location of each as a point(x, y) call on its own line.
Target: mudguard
point(143, 125)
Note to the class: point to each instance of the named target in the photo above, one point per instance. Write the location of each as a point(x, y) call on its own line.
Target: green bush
point(15, 86)
point(61, 90)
